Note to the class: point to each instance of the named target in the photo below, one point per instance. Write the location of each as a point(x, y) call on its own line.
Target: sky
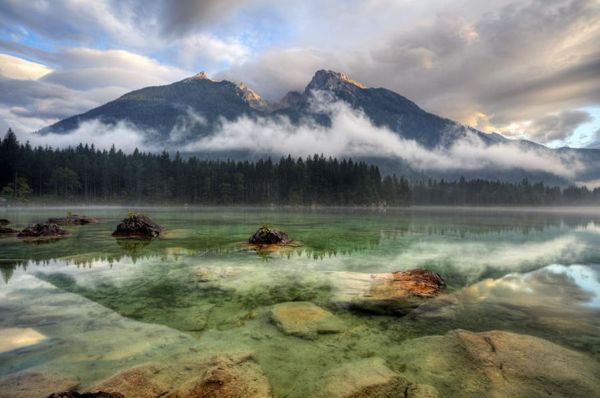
point(525, 69)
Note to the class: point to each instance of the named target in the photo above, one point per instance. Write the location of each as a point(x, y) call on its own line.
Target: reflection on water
point(92, 304)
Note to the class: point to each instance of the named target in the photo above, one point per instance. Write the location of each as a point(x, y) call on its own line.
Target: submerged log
point(386, 293)
point(42, 231)
point(138, 225)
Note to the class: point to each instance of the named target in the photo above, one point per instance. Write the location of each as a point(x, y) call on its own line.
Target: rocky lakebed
point(314, 304)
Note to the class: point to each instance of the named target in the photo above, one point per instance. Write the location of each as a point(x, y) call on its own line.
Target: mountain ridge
point(158, 111)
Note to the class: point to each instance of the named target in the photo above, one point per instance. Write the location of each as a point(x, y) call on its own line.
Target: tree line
point(88, 174)
point(85, 173)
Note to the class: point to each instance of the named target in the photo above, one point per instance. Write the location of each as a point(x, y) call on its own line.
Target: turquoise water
point(89, 305)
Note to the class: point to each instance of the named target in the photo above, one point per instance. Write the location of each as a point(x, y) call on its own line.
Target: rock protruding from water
point(43, 231)
point(73, 219)
point(34, 385)
point(227, 376)
point(138, 225)
point(269, 236)
point(4, 230)
point(386, 293)
point(305, 319)
point(499, 364)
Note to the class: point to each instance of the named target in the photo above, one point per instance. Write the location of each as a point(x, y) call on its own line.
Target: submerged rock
point(138, 382)
point(269, 236)
point(138, 225)
point(304, 319)
point(4, 222)
point(499, 364)
point(362, 378)
point(73, 219)
point(34, 385)
point(75, 394)
point(386, 293)
point(43, 231)
point(225, 377)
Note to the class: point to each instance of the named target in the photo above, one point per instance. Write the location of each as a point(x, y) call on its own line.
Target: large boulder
point(73, 219)
point(138, 225)
point(499, 364)
point(304, 319)
point(43, 231)
point(34, 385)
point(225, 377)
point(269, 236)
point(386, 293)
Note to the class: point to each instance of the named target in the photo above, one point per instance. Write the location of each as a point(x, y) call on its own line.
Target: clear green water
point(104, 304)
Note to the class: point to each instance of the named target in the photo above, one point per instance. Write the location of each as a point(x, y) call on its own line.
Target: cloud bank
point(351, 134)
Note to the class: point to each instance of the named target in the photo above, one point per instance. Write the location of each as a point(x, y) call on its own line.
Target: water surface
point(90, 305)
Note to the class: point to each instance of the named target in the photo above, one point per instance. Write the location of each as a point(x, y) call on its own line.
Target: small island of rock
point(138, 225)
point(269, 236)
point(43, 231)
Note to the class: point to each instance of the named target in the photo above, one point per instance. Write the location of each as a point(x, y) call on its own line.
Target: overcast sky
point(526, 69)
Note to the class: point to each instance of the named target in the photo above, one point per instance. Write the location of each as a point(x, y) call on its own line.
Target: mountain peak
point(328, 79)
point(198, 76)
point(253, 98)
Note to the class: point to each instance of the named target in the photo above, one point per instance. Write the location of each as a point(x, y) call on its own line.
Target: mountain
point(196, 107)
point(164, 109)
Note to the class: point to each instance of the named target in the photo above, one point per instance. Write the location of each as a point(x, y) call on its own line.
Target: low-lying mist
point(351, 134)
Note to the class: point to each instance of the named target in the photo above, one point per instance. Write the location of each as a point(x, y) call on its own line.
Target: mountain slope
point(197, 104)
point(383, 107)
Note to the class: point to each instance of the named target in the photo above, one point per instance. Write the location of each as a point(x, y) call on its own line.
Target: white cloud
point(21, 69)
point(123, 136)
point(352, 134)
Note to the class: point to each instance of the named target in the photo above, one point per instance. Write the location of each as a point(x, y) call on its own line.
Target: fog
point(351, 134)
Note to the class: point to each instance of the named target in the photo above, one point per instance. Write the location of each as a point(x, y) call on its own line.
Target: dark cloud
point(184, 15)
point(560, 126)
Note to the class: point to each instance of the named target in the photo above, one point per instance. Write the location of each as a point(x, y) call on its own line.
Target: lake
point(89, 306)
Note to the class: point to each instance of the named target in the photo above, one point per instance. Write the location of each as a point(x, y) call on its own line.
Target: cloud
point(185, 15)
point(17, 68)
point(353, 135)
point(123, 136)
point(500, 65)
point(559, 126)
point(508, 63)
point(87, 78)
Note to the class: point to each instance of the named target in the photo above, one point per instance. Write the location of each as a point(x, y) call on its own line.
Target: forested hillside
point(86, 174)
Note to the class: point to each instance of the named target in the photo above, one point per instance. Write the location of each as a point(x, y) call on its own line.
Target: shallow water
point(90, 305)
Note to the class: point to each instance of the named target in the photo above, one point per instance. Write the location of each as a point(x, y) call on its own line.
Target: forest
point(85, 174)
